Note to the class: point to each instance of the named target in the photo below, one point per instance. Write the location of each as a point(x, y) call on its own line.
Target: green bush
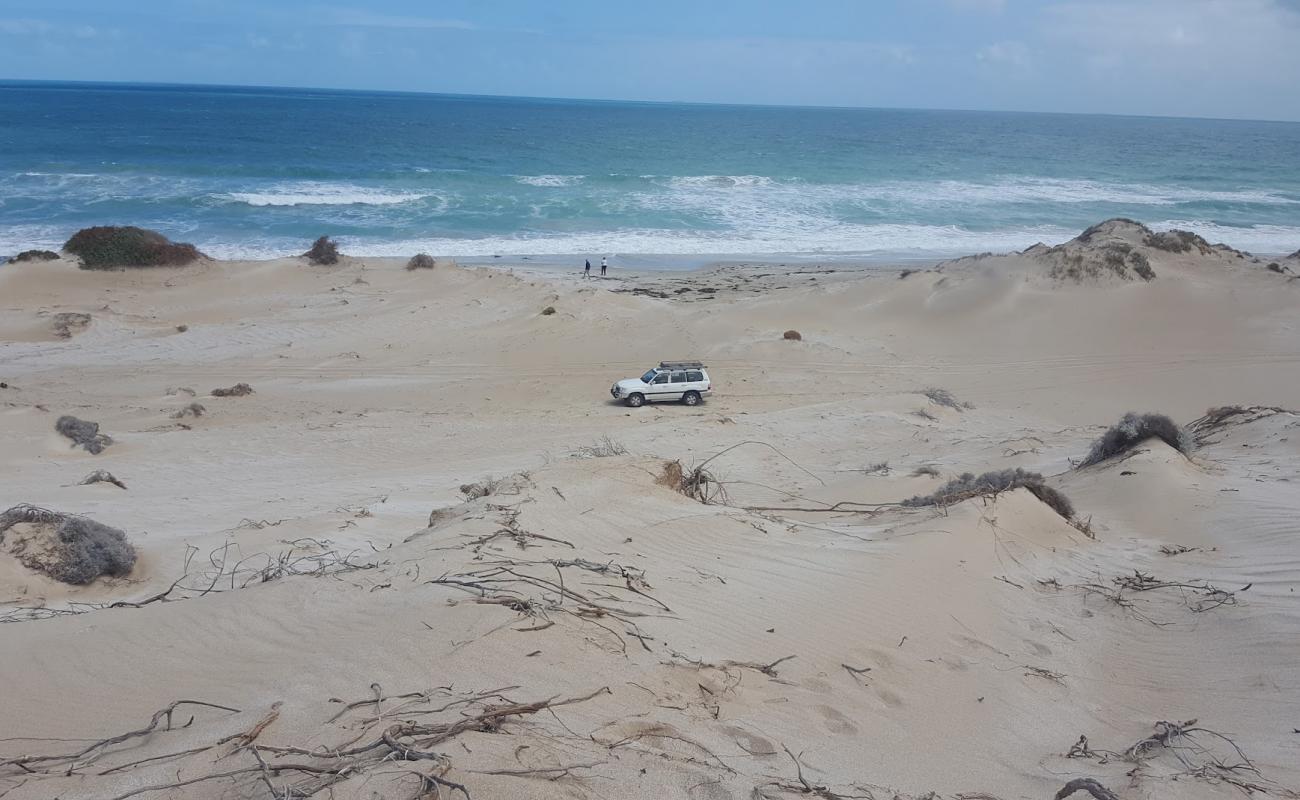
point(35, 255)
point(109, 246)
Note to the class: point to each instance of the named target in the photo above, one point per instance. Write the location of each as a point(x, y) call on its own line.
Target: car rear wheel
point(636, 400)
point(691, 398)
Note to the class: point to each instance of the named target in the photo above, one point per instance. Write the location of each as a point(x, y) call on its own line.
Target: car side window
point(694, 376)
point(661, 378)
point(679, 377)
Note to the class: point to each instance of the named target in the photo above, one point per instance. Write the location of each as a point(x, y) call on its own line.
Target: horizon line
point(11, 82)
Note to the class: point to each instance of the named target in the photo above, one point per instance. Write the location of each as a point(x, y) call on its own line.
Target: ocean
point(252, 172)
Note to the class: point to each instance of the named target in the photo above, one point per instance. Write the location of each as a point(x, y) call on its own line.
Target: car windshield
point(649, 377)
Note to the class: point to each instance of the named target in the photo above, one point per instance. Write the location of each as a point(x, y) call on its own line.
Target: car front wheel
point(691, 398)
point(636, 400)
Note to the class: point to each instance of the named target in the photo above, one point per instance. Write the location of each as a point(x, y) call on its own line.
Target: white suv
point(686, 381)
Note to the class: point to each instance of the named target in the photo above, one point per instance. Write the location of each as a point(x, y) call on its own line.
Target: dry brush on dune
point(238, 390)
point(35, 255)
point(1132, 430)
point(324, 251)
point(83, 434)
point(991, 484)
point(65, 547)
point(420, 261)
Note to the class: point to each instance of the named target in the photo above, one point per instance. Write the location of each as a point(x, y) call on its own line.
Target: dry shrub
point(990, 484)
point(323, 251)
point(35, 255)
point(238, 390)
point(697, 483)
point(926, 470)
point(792, 336)
point(111, 246)
point(421, 261)
point(548, 311)
point(83, 433)
point(604, 447)
point(66, 323)
point(945, 398)
point(1177, 242)
point(191, 410)
point(101, 476)
point(182, 328)
point(65, 547)
point(1132, 430)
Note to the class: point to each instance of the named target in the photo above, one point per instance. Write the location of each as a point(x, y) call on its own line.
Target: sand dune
point(762, 648)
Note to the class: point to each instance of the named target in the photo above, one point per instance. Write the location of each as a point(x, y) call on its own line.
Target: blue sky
point(1219, 58)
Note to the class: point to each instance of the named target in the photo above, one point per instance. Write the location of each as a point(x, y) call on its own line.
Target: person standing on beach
point(587, 271)
point(604, 264)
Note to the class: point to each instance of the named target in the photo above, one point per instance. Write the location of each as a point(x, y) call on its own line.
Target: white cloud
point(24, 27)
point(361, 18)
point(990, 6)
point(1014, 54)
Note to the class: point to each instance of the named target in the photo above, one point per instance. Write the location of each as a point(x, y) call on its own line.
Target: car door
point(659, 388)
point(678, 384)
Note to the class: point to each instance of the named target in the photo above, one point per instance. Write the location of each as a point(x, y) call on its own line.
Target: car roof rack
point(681, 365)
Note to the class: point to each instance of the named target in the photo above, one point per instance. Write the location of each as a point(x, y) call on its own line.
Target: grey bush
point(945, 398)
point(792, 335)
point(83, 433)
point(323, 251)
point(1132, 430)
point(77, 551)
point(420, 261)
point(238, 390)
point(67, 323)
point(191, 410)
point(990, 483)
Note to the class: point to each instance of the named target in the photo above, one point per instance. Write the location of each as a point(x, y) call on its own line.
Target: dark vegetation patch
point(66, 323)
point(1114, 258)
point(991, 484)
point(191, 410)
point(238, 390)
point(945, 398)
point(1132, 430)
point(420, 261)
point(324, 251)
point(82, 433)
point(548, 311)
point(1177, 242)
point(109, 246)
point(793, 336)
point(65, 547)
point(35, 255)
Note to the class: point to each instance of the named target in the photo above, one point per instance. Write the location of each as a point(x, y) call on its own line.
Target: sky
point(1205, 58)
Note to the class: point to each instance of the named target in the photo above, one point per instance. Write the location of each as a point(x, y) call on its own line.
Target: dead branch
point(1088, 785)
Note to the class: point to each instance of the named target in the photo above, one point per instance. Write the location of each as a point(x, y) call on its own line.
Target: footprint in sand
point(836, 722)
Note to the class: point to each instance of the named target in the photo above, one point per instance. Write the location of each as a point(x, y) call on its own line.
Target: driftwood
point(1088, 785)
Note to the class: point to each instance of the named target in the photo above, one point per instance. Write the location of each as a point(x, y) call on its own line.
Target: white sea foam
point(882, 241)
point(550, 180)
point(716, 181)
point(323, 194)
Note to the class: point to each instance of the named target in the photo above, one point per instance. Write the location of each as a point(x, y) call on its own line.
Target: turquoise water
point(261, 172)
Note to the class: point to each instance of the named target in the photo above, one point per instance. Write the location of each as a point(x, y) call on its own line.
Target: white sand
point(379, 392)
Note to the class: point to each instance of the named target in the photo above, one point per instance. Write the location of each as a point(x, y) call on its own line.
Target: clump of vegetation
point(1132, 430)
point(421, 261)
point(66, 323)
point(182, 328)
point(101, 476)
point(191, 410)
point(324, 251)
point(792, 336)
point(109, 246)
point(926, 470)
point(604, 447)
point(65, 547)
point(944, 398)
point(35, 255)
point(905, 273)
point(238, 390)
point(1116, 258)
point(83, 434)
point(993, 483)
point(697, 483)
point(1177, 242)
point(548, 311)
point(1109, 226)
point(1278, 268)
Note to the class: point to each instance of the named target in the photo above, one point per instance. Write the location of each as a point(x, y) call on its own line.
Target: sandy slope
point(988, 637)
